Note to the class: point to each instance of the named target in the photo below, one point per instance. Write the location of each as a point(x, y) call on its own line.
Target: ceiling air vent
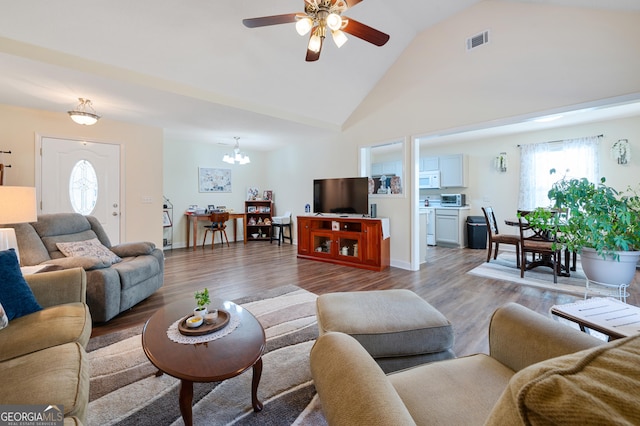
point(478, 40)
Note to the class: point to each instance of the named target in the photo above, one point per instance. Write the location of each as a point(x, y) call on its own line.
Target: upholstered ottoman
point(397, 327)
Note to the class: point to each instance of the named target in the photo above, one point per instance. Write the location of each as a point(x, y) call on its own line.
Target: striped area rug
point(504, 268)
point(125, 391)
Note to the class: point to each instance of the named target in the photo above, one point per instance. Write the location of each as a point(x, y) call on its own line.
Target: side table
point(606, 315)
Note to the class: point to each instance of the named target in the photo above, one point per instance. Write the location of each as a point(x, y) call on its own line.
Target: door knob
point(114, 214)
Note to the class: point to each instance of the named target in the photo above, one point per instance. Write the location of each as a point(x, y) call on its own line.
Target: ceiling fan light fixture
point(339, 38)
point(304, 25)
point(334, 21)
point(84, 113)
point(315, 43)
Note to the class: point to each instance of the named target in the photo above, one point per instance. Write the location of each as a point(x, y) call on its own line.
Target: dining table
point(564, 269)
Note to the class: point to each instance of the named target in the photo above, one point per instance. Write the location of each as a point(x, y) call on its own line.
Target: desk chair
point(495, 237)
point(537, 242)
point(218, 224)
point(281, 222)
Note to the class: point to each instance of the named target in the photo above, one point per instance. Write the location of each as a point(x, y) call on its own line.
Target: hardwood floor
point(243, 270)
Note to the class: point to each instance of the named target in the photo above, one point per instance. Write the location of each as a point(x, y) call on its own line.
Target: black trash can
point(476, 232)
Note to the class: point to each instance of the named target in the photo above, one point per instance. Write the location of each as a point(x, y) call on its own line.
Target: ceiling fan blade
point(365, 32)
point(352, 3)
point(270, 20)
point(312, 56)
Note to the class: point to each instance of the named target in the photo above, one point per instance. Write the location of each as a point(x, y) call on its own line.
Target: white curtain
point(571, 158)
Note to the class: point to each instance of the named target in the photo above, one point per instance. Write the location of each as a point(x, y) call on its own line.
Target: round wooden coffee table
point(213, 361)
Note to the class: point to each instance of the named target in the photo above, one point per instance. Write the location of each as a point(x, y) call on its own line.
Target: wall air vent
point(478, 40)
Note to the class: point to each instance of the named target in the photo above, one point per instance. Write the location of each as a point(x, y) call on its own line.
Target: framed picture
point(211, 208)
point(214, 180)
point(251, 209)
point(166, 219)
point(267, 195)
point(252, 193)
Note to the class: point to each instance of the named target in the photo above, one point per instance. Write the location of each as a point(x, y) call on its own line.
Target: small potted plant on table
point(202, 300)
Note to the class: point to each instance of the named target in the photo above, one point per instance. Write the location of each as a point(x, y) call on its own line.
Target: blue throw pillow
point(15, 295)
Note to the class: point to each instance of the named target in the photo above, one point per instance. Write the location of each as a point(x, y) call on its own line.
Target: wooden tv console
point(349, 241)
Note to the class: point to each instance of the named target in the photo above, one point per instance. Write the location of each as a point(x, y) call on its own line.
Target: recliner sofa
point(111, 288)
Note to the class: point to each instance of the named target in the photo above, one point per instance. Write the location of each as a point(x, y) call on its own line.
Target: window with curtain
point(571, 158)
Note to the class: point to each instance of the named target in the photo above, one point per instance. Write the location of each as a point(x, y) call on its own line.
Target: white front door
point(83, 177)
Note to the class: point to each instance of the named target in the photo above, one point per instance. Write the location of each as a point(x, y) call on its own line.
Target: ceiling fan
point(319, 18)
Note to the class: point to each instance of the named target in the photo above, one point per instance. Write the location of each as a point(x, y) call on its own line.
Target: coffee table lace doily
point(174, 334)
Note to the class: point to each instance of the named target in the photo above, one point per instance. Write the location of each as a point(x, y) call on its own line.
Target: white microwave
point(429, 180)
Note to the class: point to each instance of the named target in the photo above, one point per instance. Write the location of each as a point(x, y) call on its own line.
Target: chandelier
point(84, 113)
point(237, 156)
point(320, 15)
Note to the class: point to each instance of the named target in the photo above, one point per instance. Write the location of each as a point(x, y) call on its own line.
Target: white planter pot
point(609, 270)
point(200, 312)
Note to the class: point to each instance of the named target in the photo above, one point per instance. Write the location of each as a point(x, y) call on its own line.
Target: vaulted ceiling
point(192, 68)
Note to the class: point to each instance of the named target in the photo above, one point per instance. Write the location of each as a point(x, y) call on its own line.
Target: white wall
point(141, 174)
point(539, 58)
point(181, 162)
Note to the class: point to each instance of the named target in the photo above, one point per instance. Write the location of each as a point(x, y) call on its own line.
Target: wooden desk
point(603, 314)
point(192, 222)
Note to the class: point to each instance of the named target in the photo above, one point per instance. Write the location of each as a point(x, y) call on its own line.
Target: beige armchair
point(524, 376)
point(42, 355)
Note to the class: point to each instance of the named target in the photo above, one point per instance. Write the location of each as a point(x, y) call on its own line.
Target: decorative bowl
point(193, 322)
point(255, 235)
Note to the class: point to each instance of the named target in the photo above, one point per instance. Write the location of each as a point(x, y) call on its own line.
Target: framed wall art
point(214, 180)
point(166, 219)
point(252, 193)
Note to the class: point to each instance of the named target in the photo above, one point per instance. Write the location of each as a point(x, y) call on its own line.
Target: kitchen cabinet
point(389, 168)
point(428, 164)
point(453, 171)
point(450, 227)
point(355, 242)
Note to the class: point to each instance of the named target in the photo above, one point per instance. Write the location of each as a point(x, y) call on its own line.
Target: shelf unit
point(257, 220)
point(357, 242)
point(167, 232)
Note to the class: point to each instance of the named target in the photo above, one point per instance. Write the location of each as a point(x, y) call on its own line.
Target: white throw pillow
point(4, 321)
point(88, 248)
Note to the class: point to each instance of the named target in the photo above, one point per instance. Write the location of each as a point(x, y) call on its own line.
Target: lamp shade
point(18, 204)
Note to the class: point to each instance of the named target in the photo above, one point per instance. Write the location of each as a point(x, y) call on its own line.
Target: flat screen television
point(341, 195)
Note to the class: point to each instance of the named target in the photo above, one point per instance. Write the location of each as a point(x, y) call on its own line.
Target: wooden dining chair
point(495, 237)
point(540, 244)
point(218, 224)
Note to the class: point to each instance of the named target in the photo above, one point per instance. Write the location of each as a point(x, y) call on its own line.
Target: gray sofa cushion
point(32, 249)
point(134, 270)
point(133, 249)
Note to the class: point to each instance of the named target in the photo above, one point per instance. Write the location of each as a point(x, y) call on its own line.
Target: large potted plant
point(597, 221)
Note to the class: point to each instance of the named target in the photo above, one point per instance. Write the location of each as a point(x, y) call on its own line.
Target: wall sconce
point(18, 206)
point(621, 151)
point(501, 162)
